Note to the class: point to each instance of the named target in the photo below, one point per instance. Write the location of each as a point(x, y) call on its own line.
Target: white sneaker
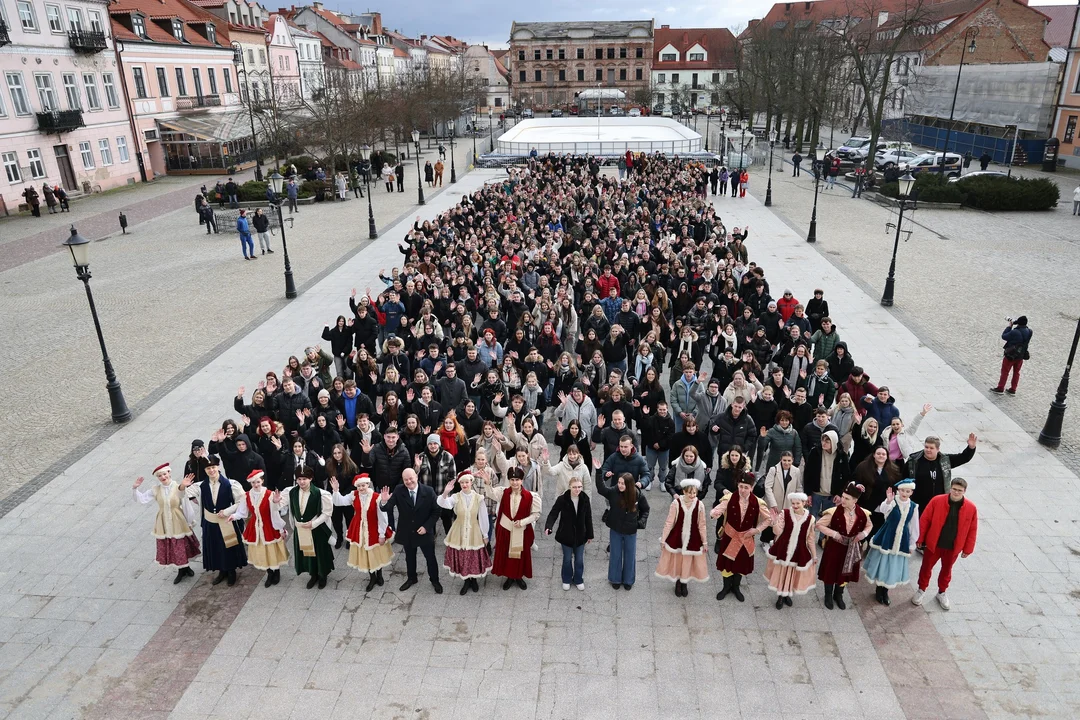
point(581, 586)
point(917, 598)
point(943, 601)
point(566, 586)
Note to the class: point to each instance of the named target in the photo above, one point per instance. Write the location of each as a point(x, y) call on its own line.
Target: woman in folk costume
point(886, 563)
point(744, 518)
point(515, 514)
point(311, 510)
point(790, 565)
point(369, 533)
point(844, 526)
point(176, 542)
point(466, 543)
point(223, 549)
point(684, 541)
point(263, 533)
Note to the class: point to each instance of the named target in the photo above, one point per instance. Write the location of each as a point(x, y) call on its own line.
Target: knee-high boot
point(829, 596)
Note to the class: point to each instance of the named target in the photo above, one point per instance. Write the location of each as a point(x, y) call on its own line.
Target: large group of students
point(615, 322)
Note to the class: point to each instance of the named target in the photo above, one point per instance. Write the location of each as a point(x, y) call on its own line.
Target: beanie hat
point(433, 438)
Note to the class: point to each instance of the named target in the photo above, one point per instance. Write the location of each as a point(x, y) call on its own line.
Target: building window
point(121, 149)
point(138, 25)
point(660, 100)
point(611, 53)
point(110, 90)
point(674, 78)
point(611, 76)
point(178, 30)
point(550, 54)
point(11, 167)
point(622, 53)
point(228, 79)
point(56, 24)
point(213, 80)
point(562, 76)
point(90, 83)
point(697, 57)
point(140, 82)
point(668, 57)
point(581, 53)
point(27, 18)
point(639, 53)
point(536, 76)
point(87, 153)
point(43, 81)
point(599, 74)
point(3, 110)
point(581, 75)
point(74, 19)
point(162, 82)
point(19, 101)
point(661, 78)
point(498, 102)
point(71, 92)
point(521, 56)
point(95, 21)
point(106, 152)
point(599, 53)
point(716, 77)
point(536, 54)
point(562, 53)
point(622, 73)
point(211, 34)
point(181, 84)
point(198, 82)
point(1070, 130)
point(37, 167)
point(638, 74)
point(730, 77)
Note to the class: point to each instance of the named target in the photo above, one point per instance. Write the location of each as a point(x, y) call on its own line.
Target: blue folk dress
point(886, 563)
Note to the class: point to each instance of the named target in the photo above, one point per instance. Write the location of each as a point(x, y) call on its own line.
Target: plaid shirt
point(436, 473)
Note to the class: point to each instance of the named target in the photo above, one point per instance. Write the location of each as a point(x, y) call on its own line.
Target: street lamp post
point(474, 139)
point(290, 287)
point(768, 190)
point(365, 155)
point(1051, 432)
point(970, 34)
point(453, 170)
point(723, 136)
point(491, 131)
point(80, 255)
point(905, 183)
point(238, 53)
point(811, 236)
point(419, 182)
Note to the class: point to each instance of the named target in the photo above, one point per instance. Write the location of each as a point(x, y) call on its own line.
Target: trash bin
point(1050, 155)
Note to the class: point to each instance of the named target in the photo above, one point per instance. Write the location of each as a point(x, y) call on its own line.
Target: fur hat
point(690, 482)
point(854, 490)
point(905, 483)
point(802, 497)
point(162, 466)
point(361, 478)
point(256, 473)
point(306, 472)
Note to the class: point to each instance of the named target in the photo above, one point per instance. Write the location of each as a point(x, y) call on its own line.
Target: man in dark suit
point(417, 515)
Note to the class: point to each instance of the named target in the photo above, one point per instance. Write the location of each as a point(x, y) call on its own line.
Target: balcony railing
point(195, 103)
point(86, 41)
point(5, 38)
point(60, 121)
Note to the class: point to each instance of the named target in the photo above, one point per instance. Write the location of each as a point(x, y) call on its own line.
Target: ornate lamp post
point(365, 155)
point(905, 183)
point(491, 131)
point(811, 236)
point(1051, 432)
point(453, 170)
point(768, 190)
point(80, 256)
point(970, 34)
point(290, 287)
point(419, 183)
point(708, 121)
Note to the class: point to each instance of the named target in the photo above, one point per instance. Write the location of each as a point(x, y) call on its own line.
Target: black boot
point(311, 583)
point(180, 575)
point(340, 539)
point(678, 588)
point(885, 597)
point(232, 578)
point(322, 581)
point(727, 588)
point(371, 583)
point(828, 596)
point(269, 578)
point(220, 578)
point(508, 583)
point(838, 597)
point(475, 585)
point(736, 581)
point(379, 577)
point(787, 601)
point(277, 576)
point(779, 602)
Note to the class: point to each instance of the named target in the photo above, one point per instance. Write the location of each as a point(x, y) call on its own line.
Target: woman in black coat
point(341, 345)
point(627, 513)
point(573, 512)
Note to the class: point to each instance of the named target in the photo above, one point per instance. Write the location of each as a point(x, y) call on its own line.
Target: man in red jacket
point(606, 281)
point(947, 529)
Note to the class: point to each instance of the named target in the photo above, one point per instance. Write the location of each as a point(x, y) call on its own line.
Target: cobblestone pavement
point(167, 293)
point(958, 276)
point(91, 630)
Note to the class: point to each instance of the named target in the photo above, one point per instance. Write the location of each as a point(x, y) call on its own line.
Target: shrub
point(1001, 193)
point(302, 163)
point(929, 187)
point(253, 191)
point(312, 187)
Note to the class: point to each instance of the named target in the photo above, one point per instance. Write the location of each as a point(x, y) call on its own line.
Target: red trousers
point(929, 560)
point(1006, 366)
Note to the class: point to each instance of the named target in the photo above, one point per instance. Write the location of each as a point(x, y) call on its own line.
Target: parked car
point(886, 158)
point(931, 162)
point(634, 112)
point(615, 110)
point(556, 113)
point(979, 173)
point(573, 109)
point(527, 113)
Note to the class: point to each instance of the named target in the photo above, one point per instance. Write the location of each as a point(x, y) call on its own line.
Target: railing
point(60, 121)
point(5, 38)
point(86, 41)
point(194, 103)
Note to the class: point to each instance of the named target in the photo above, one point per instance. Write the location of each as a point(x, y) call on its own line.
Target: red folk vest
point(674, 538)
point(779, 550)
point(744, 522)
point(372, 516)
point(524, 510)
point(837, 522)
point(269, 532)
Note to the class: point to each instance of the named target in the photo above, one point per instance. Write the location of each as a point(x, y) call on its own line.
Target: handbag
point(1015, 352)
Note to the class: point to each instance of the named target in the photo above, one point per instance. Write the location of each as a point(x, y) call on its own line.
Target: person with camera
point(1016, 335)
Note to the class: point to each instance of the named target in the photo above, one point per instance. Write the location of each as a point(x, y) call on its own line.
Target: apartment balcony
point(198, 103)
point(5, 38)
point(60, 121)
point(83, 41)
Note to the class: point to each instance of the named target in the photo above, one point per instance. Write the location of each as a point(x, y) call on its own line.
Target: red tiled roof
point(398, 52)
point(719, 46)
point(1060, 26)
point(156, 10)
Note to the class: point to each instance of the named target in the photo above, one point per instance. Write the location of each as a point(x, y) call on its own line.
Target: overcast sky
point(488, 21)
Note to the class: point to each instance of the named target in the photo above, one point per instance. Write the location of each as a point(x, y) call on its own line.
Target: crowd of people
point(619, 323)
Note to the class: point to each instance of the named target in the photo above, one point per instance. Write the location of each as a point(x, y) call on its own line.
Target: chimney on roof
point(317, 5)
point(685, 37)
point(665, 27)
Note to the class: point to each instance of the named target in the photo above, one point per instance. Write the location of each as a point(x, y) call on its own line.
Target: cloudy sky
point(488, 21)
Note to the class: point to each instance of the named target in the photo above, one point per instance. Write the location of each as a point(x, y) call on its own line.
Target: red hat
point(256, 473)
point(162, 466)
point(361, 476)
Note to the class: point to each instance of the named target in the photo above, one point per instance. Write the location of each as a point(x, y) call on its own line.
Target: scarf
point(798, 364)
point(729, 340)
point(842, 418)
point(827, 460)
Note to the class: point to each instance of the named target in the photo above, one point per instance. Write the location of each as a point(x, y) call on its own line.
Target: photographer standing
point(1016, 335)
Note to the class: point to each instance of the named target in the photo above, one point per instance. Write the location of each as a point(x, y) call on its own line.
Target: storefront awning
point(215, 127)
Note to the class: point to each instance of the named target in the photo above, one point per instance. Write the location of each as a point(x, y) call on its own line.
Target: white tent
point(602, 94)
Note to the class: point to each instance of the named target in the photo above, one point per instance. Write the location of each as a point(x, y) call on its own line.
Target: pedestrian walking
point(293, 191)
point(744, 182)
point(796, 161)
point(429, 174)
point(948, 529)
point(438, 173)
point(714, 179)
point(232, 190)
point(50, 197)
point(62, 197)
point(399, 172)
point(388, 177)
point(442, 151)
point(984, 160)
point(1076, 200)
point(207, 217)
point(33, 200)
point(341, 185)
point(219, 194)
point(244, 228)
point(262, 227)
point(1016, 335)
point(736, 177)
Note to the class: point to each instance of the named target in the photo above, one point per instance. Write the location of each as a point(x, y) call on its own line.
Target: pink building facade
point(62, 118)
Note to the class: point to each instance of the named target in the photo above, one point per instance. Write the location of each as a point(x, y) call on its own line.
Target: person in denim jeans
point(628, 513)
point(573, 512)
point(656, 432)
